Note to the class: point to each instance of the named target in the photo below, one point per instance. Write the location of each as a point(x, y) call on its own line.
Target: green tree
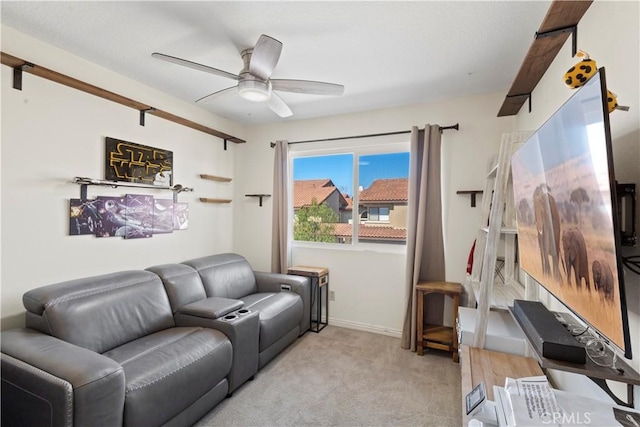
point(315, 223)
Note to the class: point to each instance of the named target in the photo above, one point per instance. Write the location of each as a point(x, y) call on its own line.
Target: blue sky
point(339, 167)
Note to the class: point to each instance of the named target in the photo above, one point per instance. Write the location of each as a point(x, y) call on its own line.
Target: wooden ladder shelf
point(500, 211)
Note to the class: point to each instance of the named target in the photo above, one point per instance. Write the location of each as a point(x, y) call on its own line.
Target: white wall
point(61, 132)
point(618, 51)
point(369, 285)
point(51, 133)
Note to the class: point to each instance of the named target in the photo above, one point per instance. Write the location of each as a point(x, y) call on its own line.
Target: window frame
point(362, 147)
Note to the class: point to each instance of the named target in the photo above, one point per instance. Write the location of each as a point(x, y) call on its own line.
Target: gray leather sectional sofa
point(147, 348)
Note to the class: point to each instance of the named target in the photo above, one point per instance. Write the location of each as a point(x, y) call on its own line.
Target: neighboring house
point(320, 190)
point(384, 203)
point(382, 208)
point(346, 213)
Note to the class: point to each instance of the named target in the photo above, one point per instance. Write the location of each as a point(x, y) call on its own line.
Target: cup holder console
point(236, 314)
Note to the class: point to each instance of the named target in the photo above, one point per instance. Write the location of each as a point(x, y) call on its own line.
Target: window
point(337, 196)
point(379, 214)
point(321, 198)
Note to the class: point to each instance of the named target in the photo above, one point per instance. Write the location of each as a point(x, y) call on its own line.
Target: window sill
point(360, 247)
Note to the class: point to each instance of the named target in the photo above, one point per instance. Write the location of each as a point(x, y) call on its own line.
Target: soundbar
point(549, 337)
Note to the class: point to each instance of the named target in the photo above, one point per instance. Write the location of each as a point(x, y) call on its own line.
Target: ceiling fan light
point(254, 90)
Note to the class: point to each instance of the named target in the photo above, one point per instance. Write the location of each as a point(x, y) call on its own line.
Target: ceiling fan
point(254, 80)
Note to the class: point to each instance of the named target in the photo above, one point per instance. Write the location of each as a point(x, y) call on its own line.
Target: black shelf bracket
point(83, 191)
point(472, 194)
point(143, 112)
point(17, 74)
point(225, 144)
point(520, 95)
point(604, 386)
point(573, 29)
point(260, 196)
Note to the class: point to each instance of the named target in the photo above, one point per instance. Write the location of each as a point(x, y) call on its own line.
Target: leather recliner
point(113, 349)
point(105, 350)
point(282, 301)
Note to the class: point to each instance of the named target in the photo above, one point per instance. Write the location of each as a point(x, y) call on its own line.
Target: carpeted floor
point(344, 377)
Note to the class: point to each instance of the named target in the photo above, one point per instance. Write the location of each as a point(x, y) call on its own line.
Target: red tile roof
point(371, 232)
point(386, 190)
point(349, 203)
point(305, 191)
point(324, 182)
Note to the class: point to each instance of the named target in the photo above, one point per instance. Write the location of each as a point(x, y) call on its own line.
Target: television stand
point(598, 374)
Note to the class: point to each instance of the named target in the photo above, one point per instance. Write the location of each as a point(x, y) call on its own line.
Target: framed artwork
point(138, 216)
point(112, 211)
point(180, 216)
point(84, 217)
point(131, 162)
point(162, 216)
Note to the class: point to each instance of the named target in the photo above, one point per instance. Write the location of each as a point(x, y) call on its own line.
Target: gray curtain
point(425, 246)
point(280, 251)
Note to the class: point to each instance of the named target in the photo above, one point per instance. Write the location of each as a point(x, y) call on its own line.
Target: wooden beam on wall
point(561, 14)
point(17, 63)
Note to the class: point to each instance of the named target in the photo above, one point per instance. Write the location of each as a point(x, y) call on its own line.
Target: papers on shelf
point(533, 402)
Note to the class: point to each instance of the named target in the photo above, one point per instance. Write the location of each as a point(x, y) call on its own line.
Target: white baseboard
point(365, 327)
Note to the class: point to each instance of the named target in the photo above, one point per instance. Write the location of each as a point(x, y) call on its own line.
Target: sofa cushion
point(183, 284)
point(225, 275)
point(279, 313)
point(167, 371)
point(101, 312)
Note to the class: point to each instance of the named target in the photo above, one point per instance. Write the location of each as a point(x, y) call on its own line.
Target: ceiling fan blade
point(278, 106)
point(307, 86)
point(194, 65)
point(215, 95)
point(265, 57)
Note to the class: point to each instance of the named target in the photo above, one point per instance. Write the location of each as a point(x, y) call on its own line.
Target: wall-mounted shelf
point(210, 200)
point(83, 182)
point(560, 18)
point(472, 193)
point(215, 178)
point(20, 65)
point(260, 196)
point(598, 374)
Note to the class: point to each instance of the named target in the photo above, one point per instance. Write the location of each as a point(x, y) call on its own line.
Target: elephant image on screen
point(548, 229)
point(568, 232)
point(575, 257)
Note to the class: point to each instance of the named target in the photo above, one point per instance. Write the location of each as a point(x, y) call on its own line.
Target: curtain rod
point(455, 127)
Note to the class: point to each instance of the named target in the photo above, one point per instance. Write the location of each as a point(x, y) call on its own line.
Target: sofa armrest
point(243, 330)
point(58, 382)
point(211, 308)
point(272, 282)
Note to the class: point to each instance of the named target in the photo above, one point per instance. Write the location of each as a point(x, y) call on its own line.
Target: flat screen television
point(566, 210)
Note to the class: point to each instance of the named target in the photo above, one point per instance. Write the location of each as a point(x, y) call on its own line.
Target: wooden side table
point(438, 336)
point(319, 277)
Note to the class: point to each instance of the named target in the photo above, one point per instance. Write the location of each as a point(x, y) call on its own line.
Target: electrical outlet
point(332, 295)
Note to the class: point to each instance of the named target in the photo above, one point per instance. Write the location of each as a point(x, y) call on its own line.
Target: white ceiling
point(386, 54)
